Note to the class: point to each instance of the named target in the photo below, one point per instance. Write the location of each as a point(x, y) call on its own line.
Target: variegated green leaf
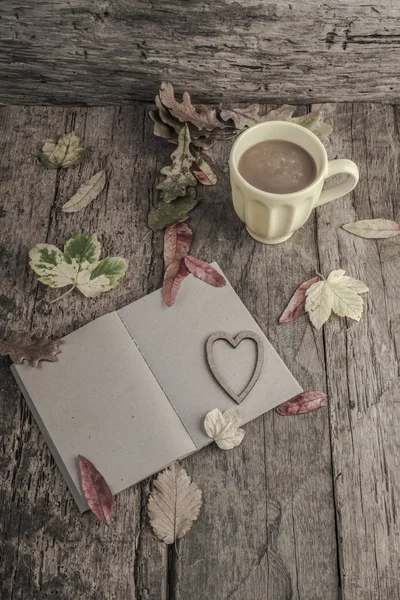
point(65, 153)
point(175, 212)
point(79, 266)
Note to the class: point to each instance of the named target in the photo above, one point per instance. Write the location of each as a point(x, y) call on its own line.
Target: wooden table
point(307, 508)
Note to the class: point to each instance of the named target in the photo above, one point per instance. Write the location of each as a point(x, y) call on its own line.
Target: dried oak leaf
point(373, 228)
point(297, 304)
point(175, 212)
point(97, 493)
point(23, 346)
point(178, 175)
point(64, 153)
point(202, 116)
point(302, 403)
point(86, 193)
point(174, 504)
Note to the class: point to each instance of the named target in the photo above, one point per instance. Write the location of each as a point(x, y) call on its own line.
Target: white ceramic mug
point(271, 218)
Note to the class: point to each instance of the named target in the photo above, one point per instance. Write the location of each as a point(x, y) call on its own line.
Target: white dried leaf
point(338, 293)
point(174, 504)
point(224, 428)
point(373, 228)
point(86, 193)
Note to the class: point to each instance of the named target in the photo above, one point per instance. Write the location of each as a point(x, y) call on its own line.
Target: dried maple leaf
point(177, 240)
point(297, 304)
point(202, 116)
point(178, 175)
point(175, 212)
point(174, 504)
point(302, 403)
point(65, 153)
point(204, 271)
point(224, 428)
point(86, 193)
point(373, 228)
point(97, 493)
point(79, 266)
point(23, 346)
point(338, 293)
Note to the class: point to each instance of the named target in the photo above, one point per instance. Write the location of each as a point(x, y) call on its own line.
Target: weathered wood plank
point(363, 360)
point(267, 530)
point(49, 550)
point(72, 52)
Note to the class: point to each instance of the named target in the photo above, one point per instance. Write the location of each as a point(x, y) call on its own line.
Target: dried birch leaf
point(202, 116)
point(202, 171)
point(297, 304)
point(86, 193)
point(302, 403)
point(177, 240)
point(65, 153)
point(175, 273)
point(204, 271)
point(175, 212)
point(97, 493)
point(224, 428)
point(79, 266)
point(174, 504)
point(23, 346)
point(339, 293)
point(373, 228)
point(178, 176)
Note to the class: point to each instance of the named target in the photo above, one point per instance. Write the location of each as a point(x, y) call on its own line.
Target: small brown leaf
point(23, 346)
point(175, 273)
point(204, 271)
point(302, 404)
point(202, 116)
point(97, 493)
point(373, 228)
point(177, 240)
point(174, 504)
point(202, 171)
point(297, 304)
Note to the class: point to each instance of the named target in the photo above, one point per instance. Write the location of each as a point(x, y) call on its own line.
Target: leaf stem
point(319, 275)
point(63, 295)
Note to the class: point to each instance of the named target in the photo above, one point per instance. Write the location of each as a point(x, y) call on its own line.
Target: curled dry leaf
point(66, 152)
point(202, 116)
point(174, 504)
point(302, 403)
point(175, 212)
point(373, 228)
point(297, 304)
point(177, 240)
point(224, 428)
point(178, 175)
point(175, 273)
point(204, 271)
point(86, 193)
point(97, 493)
point(338, 293)
point(24, 346)
point(78, 266)
point(242, 116)
point(202, 171)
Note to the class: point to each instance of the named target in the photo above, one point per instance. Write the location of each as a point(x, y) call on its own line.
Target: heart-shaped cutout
point(234, 341)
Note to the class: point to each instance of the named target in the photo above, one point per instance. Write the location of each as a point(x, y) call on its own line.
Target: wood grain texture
point(274, 508)
point(118, 51)
point(363, 359)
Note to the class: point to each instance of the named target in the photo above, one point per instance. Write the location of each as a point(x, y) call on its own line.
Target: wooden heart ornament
point(234, 341)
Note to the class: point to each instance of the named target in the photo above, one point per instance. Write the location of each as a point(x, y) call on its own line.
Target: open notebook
point(131, 389)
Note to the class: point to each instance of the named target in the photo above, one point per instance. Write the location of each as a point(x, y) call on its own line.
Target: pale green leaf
point(86, 193)
point(319, 302)
point(49, 263)
point(82, 248)
point(224, 428)
point(178, 176)
point(66, 152)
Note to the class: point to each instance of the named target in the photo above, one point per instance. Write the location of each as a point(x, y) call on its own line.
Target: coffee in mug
point(278, 166)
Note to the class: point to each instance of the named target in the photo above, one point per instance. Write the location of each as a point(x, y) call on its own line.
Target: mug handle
point(341, 165)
